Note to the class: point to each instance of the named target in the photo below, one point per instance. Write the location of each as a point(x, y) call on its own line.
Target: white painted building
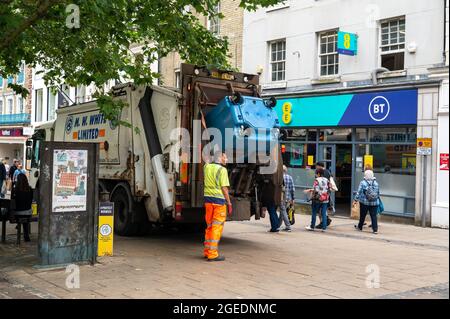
point(365, 108)
point(440, 212)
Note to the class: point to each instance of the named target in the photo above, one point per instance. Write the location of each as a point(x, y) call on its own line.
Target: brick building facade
point(230, 26)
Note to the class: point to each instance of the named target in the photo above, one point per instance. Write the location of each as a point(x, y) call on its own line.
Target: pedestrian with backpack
point(368, 196)
point(320, 199)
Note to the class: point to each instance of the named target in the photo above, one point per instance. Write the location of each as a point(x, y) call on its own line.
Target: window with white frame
point(20, 105)
point(278, 60)
point(328, 55)
point(392, 46)
point(214, 21)
point(177, 79)
point(10, 105)
point(39, 99)
point(51, 103)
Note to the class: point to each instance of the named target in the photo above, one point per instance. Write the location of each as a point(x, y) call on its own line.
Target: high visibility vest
point(212, 187)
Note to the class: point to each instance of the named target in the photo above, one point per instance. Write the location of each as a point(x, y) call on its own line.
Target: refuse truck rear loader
point(153, 167)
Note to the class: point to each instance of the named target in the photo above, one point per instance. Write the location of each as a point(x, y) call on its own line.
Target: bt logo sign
point(379, 108)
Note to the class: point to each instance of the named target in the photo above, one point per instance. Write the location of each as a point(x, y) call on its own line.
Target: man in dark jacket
point(271, 194)
point(13, 169)
point(2, 178)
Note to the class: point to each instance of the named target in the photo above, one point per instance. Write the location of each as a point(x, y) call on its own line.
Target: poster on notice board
point(69, 180)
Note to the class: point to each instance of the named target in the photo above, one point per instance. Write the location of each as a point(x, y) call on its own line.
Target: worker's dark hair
point(319, 171)
point(22, 183)
point(217, 154)
point(321, 164)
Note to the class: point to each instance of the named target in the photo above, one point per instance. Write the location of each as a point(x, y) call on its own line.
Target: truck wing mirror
point(271, 102)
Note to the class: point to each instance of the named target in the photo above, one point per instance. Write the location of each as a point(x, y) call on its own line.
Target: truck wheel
point(123, 215)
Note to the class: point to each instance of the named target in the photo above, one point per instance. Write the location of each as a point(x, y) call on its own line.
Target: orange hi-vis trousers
point(215, 219)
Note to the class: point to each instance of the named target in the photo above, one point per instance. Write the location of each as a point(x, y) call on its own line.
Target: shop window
point(392, 135)
point(361, 135)
point(300, 159)
point(412, 135)
point(294, 134)
point(336, 135)
point(394, 166)
point(312, 135)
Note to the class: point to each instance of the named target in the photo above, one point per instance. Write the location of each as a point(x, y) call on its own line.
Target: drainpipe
point(445, 32)
point(375, 73)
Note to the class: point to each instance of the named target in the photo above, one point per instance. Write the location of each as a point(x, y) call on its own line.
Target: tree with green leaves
point(84, 42)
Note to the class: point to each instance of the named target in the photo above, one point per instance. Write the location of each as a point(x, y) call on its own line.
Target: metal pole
point(424, 189)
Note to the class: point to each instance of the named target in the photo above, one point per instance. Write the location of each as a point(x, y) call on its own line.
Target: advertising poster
point(443, 162)
point(69, 180)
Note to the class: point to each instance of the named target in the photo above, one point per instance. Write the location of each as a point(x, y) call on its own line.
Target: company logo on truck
point(86, 127)
point(93, 127)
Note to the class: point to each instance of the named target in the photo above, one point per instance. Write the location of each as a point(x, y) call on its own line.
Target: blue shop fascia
point(348, 128)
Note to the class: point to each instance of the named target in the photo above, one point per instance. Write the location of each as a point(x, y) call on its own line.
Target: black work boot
point(219, 258)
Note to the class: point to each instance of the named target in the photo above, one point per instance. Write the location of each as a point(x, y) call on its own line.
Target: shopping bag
point(8, 184)
point(380, 207)
point(291, 214)
point(333, 186)
point(355, 210)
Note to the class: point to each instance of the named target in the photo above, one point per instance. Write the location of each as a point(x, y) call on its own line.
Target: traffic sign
point(424, 146)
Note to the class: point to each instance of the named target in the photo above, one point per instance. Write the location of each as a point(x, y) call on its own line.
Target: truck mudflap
point(241, 209)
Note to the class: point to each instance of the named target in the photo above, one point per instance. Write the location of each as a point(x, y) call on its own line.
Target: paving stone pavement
point(411, 262)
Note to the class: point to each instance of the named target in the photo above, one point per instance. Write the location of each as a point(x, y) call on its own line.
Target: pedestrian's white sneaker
point(309, 228)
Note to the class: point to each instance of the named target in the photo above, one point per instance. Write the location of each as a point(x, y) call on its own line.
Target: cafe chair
point(20, 218)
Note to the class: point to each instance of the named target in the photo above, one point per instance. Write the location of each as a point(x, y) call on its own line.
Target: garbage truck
point(152, 167)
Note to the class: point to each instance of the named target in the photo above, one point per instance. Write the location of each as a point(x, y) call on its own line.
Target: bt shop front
point(348, 131)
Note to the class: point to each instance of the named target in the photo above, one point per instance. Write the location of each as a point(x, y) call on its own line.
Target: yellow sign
point(105, 229)
point(424, 146)
point(424, 142)
point(223, 76)
point(368, 161)
point(287, 115)
point(310, 160)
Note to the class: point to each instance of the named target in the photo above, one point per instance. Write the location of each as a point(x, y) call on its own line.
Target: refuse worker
point(216, 199)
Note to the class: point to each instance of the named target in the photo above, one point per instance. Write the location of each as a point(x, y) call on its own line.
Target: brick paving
point(413, 262)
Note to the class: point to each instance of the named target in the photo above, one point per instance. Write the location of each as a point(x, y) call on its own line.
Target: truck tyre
point(123, 215)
